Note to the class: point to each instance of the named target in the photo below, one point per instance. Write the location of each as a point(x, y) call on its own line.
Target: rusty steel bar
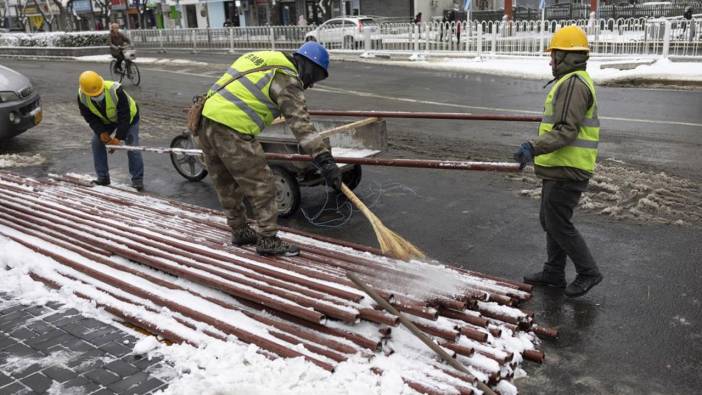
point(412, 163)
point(430, 115)
point(127, 287)
point(386, 321)
point(265, 320)
point(534, 355)
point(226, 287)
point(124, 315)
point(299, 299)
point(463, 350)
point(415, 331)
point(415, 385)
point(545, 331)
point(473, 334)
point(469, 318)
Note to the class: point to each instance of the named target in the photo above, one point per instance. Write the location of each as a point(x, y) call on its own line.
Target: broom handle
point(357, 202)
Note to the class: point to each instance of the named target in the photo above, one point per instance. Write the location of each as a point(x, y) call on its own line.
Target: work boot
point(101, 181)
point(546, 279)
point(244, 236)
point(138, 185)
point(582, 284)
point(273, 245)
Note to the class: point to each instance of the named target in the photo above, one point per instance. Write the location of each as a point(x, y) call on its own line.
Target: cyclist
point(118, 41)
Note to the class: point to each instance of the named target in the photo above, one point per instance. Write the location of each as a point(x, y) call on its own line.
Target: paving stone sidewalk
point(55, 350)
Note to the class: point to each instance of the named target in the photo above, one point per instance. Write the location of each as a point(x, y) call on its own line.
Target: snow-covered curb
point(139, 60)
point(537, 68)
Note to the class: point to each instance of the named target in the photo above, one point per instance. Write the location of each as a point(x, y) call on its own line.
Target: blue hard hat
point(315, 52)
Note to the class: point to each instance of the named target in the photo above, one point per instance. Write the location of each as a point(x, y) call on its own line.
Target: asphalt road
point(638, 332)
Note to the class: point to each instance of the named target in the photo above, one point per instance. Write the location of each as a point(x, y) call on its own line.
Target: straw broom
point(391, 243)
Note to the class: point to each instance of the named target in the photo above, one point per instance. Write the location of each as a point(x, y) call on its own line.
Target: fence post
point(194, 36)
point(367, 40)
point(494, 41)
point(160, 41)
point(479, 42)
point(416, 32)
point(231, 40)
point(666, 39)
point(272, 37)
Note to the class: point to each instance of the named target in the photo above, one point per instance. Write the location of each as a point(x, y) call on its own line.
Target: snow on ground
point(108, 59)
point(14, 160)
point(530, 67)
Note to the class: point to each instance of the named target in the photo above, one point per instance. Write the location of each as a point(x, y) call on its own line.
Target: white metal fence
point(608, 37)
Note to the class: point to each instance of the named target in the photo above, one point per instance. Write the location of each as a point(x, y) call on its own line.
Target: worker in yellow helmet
point(564, 156)
point(109, 110)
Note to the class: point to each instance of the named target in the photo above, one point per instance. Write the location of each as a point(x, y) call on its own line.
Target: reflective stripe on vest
point(582, 153)
point(245, 104)
point(111, 101)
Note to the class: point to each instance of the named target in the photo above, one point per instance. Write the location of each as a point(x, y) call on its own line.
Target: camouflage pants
point(238, 168)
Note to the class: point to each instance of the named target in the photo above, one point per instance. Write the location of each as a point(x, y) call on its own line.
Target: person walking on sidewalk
point(257, 88)
point(564, 156)
point(108, 109)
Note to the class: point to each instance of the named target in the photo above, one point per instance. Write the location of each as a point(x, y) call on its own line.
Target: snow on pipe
point(241, 334)
point(430, 115)
point(298, 332)
point(98, 197)
point(497, 296)
point(226, 287)
point(365, 313)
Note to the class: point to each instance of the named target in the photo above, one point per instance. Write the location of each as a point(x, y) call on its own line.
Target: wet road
point(640, 331)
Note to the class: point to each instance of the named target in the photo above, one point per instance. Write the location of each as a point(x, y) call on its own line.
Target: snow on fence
point(608, 37)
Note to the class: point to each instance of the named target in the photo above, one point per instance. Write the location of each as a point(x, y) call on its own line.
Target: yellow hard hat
point(91, 83)
point(569, 38)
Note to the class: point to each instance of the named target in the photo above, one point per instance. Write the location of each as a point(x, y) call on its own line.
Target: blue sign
point(82, 6)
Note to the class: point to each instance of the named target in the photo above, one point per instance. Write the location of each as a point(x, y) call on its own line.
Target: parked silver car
point(20, 107)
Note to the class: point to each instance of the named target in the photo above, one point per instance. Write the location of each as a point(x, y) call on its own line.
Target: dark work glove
point(330, 171)
point(524, 155)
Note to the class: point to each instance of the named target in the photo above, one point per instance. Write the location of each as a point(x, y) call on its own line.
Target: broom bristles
point(390, 242)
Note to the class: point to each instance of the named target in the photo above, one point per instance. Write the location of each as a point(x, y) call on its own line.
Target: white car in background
point(348, 33)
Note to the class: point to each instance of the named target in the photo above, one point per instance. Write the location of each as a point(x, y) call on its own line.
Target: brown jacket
point(288, 94)
point(570, 103)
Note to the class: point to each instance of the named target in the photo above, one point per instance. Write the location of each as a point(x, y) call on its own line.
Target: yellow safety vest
point(111, 101)
point(245, 105)
point(582, 153)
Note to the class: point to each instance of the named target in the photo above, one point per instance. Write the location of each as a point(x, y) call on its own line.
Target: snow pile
point(538, 68)
point(626, 193)
point(15, 160)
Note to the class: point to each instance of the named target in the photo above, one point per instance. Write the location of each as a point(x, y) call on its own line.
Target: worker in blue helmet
point(257, 88)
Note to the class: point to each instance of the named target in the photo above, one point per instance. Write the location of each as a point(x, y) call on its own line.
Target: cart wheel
point(188, 166)
point(352, 177)
point(288, 192)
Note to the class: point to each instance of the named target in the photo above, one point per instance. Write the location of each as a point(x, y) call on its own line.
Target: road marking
point(341, 91)
point(329, 89)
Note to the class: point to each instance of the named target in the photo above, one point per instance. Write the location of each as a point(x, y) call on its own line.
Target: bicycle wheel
point(133, 73)
point(113, 64)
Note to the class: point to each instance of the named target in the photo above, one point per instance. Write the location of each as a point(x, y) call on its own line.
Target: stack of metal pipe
point(131, 252)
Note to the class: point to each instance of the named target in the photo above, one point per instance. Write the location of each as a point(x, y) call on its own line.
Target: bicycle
point(130, 68)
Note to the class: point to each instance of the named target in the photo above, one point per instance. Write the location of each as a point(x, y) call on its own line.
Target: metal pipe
point(226, 327)
point(430, 115)
point(297, 297)
point(415, 331)
point(411, 163)
point(226, 287)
